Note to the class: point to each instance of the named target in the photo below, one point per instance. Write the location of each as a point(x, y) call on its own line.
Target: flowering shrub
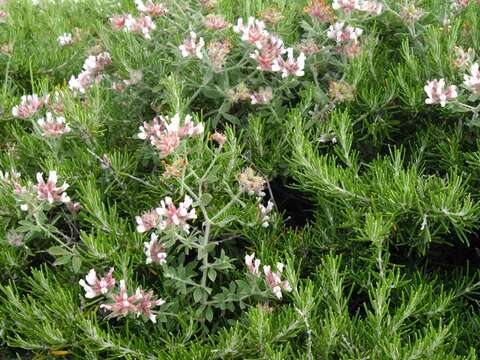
point(239, 179)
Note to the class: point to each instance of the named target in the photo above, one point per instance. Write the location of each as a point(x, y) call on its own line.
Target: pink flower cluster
point(264, 213)
point(372, 7)
point(272, 278)
point(438, 93)
point(192, 47)
point(215, 22)
point(142, 24)
point(53, 126)
point(171, 216)
point(155, 251)
point(341, 33)
point(95, 286)
point(165, 133)
point(139, 303)
point(147, 221)
point(269, 49)
point(92, 68)
point(472, 81)
point(151, 8)
point(49, 190)
point(28, 106)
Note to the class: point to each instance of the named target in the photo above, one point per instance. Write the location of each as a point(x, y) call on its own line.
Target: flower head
point(274, 281)
point(49, 190)
point(95, 286)
point(151, 8)
point(28, 106)
point(251, 183)
point(264, 211)
point(262, 96)
point(320, 10)
point(253, 32)
point(472, 81)
point(65, 39)
point(290, 66)
point(123, 304)
point(253, 264)
point(145, 304)
point(463, 58)
point(155, 251)
point(215, 22)
point(341, 33)
point(217, 53)
point(171, 216)
point(438, 94)
point(219, 138)
point(147, 221)
point(53, 126)
point(192, 47)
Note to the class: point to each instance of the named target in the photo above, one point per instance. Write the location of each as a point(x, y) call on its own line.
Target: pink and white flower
point(146, 303)
point(253, 264)
point(123, 304)
point(341, 33)
point(262, 96)
point(151, 8)
point(346, 5)
point(53, 127)
point(95, 286)
point(192, 47)
point(372, 7)
point(269, 50)
point(290, 66)
point(274, 281)
point(92, 68)
point(65, 39)
point(155, 251)
point(49, 190)
point(264, 211)
point(439, 94)
point(472, 81)
point(215, 22)
point(147, 221)
point(171, 216)
point(253, 32)
point(28, 106)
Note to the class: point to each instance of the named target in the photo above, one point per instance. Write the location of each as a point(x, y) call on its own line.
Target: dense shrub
point(224, 179)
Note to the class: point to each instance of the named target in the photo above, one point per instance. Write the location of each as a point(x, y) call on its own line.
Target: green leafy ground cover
point(345, 165)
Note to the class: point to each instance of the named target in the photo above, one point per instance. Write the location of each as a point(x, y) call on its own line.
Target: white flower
point(65, 39)
point(472, 82)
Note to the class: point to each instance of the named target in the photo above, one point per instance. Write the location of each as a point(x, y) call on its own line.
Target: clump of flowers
point(147, 221)
point(215, 22)
point(411, 13)
point(253, 32)
point(217, 53)
point(372, 7)
point(192, 47)
point(320, 10)
point(271, 15)
point(92, 68)
point(142, 24)
point(166, 133)
point(341, 33)
point(155, 251)
point(171, 216)
point(439, 93)
point(290, 66)
point(151, 8)
point(175, 169)
point(272, 278)
point(95, 286)
point(262, 96)
point(28, 106)
point(49, 190)
point(251, 183)
point(65, 39)
point(264, 213)
point(53, 126)
point(472, 81)
point(139, 303)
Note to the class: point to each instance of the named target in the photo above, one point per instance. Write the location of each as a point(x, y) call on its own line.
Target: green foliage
point(382, 263)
